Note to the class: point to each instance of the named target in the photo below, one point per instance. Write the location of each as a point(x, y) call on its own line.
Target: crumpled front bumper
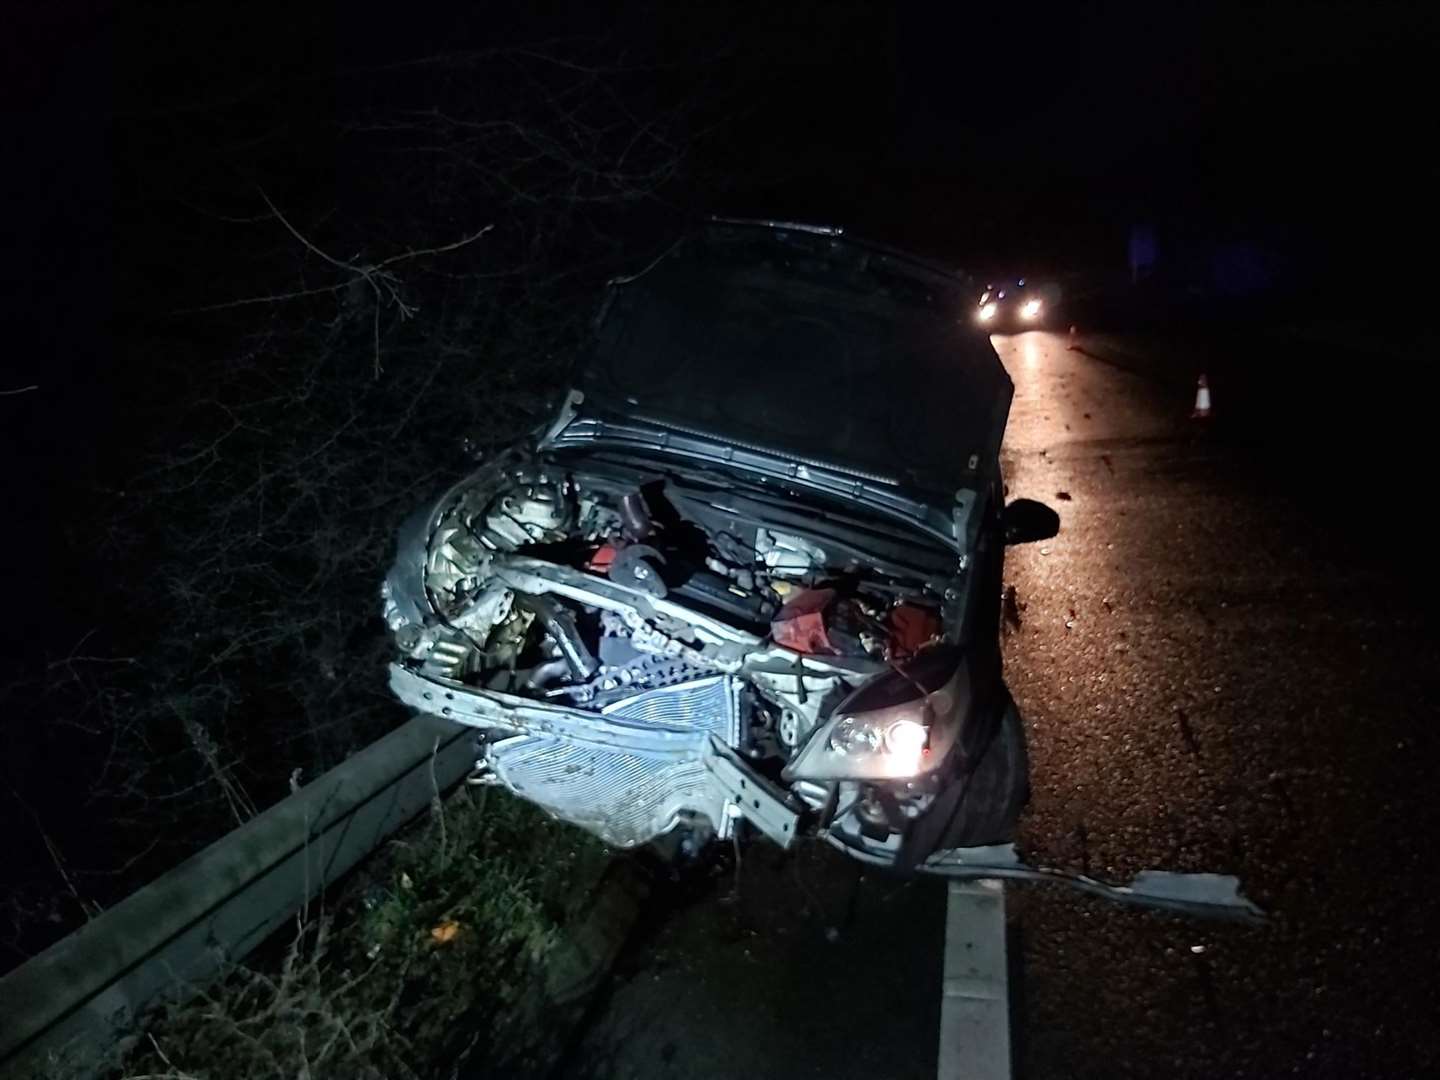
point(628, 773)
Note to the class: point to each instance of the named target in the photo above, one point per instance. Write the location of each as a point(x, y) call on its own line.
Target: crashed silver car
point(749, 578)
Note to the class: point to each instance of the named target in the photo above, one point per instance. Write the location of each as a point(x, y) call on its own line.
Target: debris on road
point(1202, 894)
point(1202, 400)
point(445, 932)
point(1011, 607)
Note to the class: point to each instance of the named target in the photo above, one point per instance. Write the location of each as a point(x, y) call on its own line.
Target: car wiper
point(655, 468)
point(871, 540)
point(857, 526)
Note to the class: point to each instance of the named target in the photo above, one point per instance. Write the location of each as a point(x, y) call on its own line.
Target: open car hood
point(809, 345)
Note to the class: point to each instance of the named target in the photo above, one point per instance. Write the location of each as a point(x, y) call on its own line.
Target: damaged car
point(749, 577)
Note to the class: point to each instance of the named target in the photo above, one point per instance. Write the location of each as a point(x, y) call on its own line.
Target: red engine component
point(912, 627)
point(800, 624)
point(600, 562)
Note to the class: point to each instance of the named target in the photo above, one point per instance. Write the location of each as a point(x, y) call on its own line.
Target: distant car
point(749, 578)
point(1016, 305)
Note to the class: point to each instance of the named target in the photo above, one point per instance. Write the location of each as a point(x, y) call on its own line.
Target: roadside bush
point(314, 338)
point(418, 966)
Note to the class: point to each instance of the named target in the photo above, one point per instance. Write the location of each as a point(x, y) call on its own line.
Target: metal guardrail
point(74, 1000)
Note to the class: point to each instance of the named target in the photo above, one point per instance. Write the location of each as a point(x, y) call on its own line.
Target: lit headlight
point(987, 311)
point(853, 735)
point(887, 743)
point(1030, 309)
point(874, 733)
point(894, 727)
point(906, 738)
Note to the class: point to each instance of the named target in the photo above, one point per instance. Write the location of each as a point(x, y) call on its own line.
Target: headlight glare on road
point(1031, 309)
point(987, 311)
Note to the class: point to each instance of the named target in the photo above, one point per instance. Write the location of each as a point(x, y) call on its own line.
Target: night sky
point(984, 132)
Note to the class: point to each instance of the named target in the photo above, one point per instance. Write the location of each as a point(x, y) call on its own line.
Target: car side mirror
point(1025, 521)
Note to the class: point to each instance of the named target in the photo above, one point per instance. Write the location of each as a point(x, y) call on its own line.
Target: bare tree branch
point(382, 283)
point(435, 250)
point(303, 240)
point(275, 468)
point(274, 298)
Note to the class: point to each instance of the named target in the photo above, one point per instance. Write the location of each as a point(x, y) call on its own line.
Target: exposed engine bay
point(645, 649)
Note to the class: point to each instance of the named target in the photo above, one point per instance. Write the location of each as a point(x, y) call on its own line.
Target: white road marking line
point(975, 998)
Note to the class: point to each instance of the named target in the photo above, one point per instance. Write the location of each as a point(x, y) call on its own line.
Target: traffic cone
point(1202, 400)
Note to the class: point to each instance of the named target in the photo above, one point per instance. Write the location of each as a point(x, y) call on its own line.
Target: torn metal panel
point(1215, 896)
point(539, 578)
point(752, 796)
point(1209, 895)
point(490, 709)
point(631, 771)
point(625, 797)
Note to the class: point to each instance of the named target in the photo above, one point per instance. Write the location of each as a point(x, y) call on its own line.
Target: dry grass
point(421, 965)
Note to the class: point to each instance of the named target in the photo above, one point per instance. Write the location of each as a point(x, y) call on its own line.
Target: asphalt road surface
point(1218, 671)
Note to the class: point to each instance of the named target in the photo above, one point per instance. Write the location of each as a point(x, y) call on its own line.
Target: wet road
point(1214, 679)
point(1214, 676)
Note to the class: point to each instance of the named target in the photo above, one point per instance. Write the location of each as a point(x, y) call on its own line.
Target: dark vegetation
point(294, 270)
point(431, 959)
point(337, 267)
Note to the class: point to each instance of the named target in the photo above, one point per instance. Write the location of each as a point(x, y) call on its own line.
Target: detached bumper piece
point(629, 773)
point(1212, 896)
point(750, 796)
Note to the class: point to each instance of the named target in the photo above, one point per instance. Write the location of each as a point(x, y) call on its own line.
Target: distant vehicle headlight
point(987, 311)
point(1030, 309)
